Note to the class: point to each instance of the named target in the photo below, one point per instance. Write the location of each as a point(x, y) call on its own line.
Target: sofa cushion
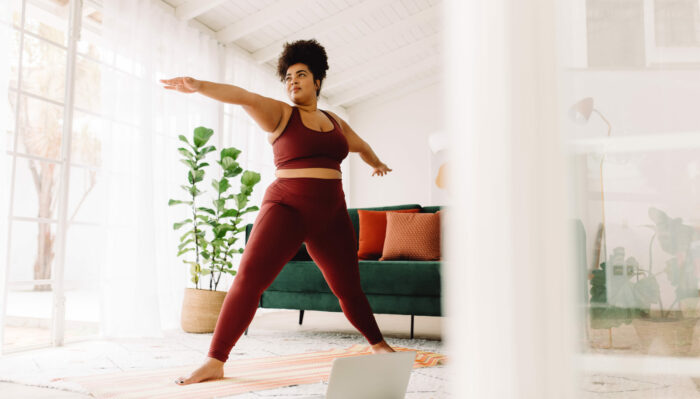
point(412, 237)
point(373, 231)
point(387, 278)
point(355, 218)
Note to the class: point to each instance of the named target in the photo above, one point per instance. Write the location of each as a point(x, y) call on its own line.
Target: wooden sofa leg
point(412, 326)
point(301, 316)
point(246, 332)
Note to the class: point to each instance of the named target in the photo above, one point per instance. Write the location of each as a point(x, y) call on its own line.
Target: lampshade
point(581, 111)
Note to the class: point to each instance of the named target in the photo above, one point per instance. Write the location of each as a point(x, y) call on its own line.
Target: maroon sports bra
point(300, 147)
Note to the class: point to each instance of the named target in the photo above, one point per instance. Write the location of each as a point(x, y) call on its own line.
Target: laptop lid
point(381, 376)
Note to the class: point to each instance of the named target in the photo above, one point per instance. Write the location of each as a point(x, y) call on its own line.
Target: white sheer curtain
point(5, 126)
point(142, 280)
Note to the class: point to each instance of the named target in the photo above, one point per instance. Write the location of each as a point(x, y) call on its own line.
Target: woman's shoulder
point(287, 113)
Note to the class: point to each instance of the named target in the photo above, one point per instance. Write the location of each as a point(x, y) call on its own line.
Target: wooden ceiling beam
point(380, 63)
point(194, 8)
point(385, 81)
point(346, 16)
point(260, 20)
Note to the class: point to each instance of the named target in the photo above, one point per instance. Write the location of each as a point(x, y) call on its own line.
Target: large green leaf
point(202, 135)
point(190, 164)
point(184, 236)
point(177, 225)
point(186, 153)
point(229, 213)
point(182, 245)
point(228, 163)
point(207, 210)
point(184, 251)
point(241, 200)
point(222, 186)
point(221, 230)
point(250, 209)
point(219, 204)
point(647, 292)
point(246, 190)
point(230, 152)
point(250, 178)
point(183, 138)
point(207, 150)
point(194, 191)
point(233, 171)
point(175, 202)
point(196, 177)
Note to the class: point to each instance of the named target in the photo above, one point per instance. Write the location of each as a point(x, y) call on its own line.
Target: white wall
point(397, 130)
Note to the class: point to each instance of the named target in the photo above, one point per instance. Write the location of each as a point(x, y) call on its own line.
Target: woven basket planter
point(200, 310)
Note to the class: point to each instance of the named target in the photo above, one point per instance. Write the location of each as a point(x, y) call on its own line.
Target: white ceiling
point(375, 47)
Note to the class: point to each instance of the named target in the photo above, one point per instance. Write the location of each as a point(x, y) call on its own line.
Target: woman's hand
point(381, 170)
point(184, 84)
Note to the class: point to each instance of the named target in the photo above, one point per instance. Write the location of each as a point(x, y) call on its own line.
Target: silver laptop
point(383, 376)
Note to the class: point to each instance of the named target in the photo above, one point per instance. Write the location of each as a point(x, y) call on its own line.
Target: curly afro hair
point(308, 52)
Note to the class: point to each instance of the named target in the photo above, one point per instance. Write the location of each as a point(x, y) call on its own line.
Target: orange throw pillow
point(373, 231)
point(412, 237)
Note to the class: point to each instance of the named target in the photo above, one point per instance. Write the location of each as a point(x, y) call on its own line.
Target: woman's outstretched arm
point(356, 144)
point(267, 112)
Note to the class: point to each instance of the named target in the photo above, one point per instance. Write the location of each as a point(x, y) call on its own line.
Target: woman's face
point(299, 83)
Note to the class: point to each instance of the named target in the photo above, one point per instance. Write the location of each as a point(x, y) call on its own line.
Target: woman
point(305, 203)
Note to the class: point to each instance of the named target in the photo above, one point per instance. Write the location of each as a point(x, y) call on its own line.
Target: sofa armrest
point(248, 228)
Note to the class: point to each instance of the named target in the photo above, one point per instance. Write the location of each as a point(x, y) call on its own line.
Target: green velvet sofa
point(392, 287)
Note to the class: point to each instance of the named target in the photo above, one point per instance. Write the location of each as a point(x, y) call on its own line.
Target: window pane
point(84, 204)
point(82, 281)
point(16, 12)
point(36, 188)
point(636, 176)
point(32, 251)
point(48, 19)
point(40, 128)
point(43, 69)
point(87, 139)
point(28, 319)
point(14, 57)
point(87, 84)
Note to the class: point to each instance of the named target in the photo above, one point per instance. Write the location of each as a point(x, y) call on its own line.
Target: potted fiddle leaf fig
point(226, 223)
point(629, 291)
point(208, 243)
point(675, 324)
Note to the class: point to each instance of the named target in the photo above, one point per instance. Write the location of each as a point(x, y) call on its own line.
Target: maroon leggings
point(296, 210)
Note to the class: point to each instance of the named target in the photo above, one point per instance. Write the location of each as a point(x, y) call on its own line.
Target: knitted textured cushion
point(412, 236)
point(373, 231)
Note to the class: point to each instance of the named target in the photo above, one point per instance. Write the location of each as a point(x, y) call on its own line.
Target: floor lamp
point(581, 113)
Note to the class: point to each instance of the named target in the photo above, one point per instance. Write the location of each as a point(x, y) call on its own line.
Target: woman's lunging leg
point(335, 252)
point(276, 236)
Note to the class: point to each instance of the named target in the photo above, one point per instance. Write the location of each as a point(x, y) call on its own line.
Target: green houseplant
point(635, 289)
point(211, 233)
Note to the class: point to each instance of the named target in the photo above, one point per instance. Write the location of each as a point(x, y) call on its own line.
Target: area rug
point(240, 376)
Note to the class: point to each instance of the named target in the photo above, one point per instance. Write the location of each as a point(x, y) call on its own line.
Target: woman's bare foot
point(212, 369)
point(382, 347)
